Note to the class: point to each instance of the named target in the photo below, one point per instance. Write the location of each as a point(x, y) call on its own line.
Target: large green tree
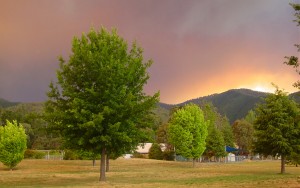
point(277, 127)
point(12, 144)
point(98, 103)
point(188, 131)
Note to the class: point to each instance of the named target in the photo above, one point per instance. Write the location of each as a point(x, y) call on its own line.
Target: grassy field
point(149, 173)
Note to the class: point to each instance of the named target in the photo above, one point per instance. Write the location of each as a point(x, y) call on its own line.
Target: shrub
point(137, 155)
point(70, 155)
point(12, 144)
point(155, 152)
point(169, 155)
point(34, 154)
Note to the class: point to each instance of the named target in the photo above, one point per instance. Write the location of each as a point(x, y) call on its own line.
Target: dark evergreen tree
point(277, 127)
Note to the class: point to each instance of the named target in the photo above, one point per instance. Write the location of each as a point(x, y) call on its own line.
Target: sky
point(199, 47)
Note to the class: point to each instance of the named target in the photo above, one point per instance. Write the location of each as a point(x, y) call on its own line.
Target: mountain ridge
point(5, 103)
point(233, 103)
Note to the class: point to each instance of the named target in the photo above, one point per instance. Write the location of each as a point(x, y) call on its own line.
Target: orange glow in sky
point(198, 47)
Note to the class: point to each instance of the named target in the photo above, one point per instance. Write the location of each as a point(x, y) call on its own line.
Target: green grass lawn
point(149, 173)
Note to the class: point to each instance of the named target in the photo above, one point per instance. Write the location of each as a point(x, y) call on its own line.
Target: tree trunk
point(194, 161)
point(107, 162)
point(282, 171)
point(102, 165)
point(94, 162)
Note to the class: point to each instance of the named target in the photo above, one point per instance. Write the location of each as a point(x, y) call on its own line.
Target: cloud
point(198, 47)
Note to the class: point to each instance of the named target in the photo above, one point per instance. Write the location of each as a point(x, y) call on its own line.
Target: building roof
point(143, 148)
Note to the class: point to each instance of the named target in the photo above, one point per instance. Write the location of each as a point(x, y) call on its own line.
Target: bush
point(34, 154)
point(137, 155)
point(12, 144)
point(293, 159)
point(169, 155)
point(155, 152)
point(70, 155)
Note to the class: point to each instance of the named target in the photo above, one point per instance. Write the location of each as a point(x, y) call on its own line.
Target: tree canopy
point(98, 103)
point(219, 132)
point(188, 131)
point(215, 145)
point(12, 144)
point(277, 127)
point(243, 134)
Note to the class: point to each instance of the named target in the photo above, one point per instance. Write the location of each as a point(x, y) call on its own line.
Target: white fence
point(53, 154)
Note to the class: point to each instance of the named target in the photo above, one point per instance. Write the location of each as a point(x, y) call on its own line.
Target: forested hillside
point(234, 103)
point(30, 116)
point(4, 103)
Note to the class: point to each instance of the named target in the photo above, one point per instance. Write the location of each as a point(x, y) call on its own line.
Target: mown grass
point(149, 173)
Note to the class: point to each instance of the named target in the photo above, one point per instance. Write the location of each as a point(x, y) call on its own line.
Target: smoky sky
point(199, 47)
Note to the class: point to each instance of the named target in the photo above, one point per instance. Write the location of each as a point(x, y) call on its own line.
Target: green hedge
point(34, 154)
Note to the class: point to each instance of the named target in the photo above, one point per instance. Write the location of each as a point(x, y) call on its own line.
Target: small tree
point(188, 131)
point(215, 145)
point(12, 144)
point(155, 152)
point(219, 132)
point(243, 134)
point(277, 127)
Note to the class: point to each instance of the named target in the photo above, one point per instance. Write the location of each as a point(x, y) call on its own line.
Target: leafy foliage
point(277, 127)
point(297, 12)
point(30, 116)
point(80, 155)
point(155, 152)
point(34, 154)
point(219, 132)
point(98, 103)
point(293, 60)
point(294, 158)
point(188, 131)
point(169, 155)
point(243, 135)
point(12, 144)
point(215, 145)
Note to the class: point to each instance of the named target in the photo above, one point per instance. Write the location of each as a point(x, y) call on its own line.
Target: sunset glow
point(198, 47)
point(263, 89)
